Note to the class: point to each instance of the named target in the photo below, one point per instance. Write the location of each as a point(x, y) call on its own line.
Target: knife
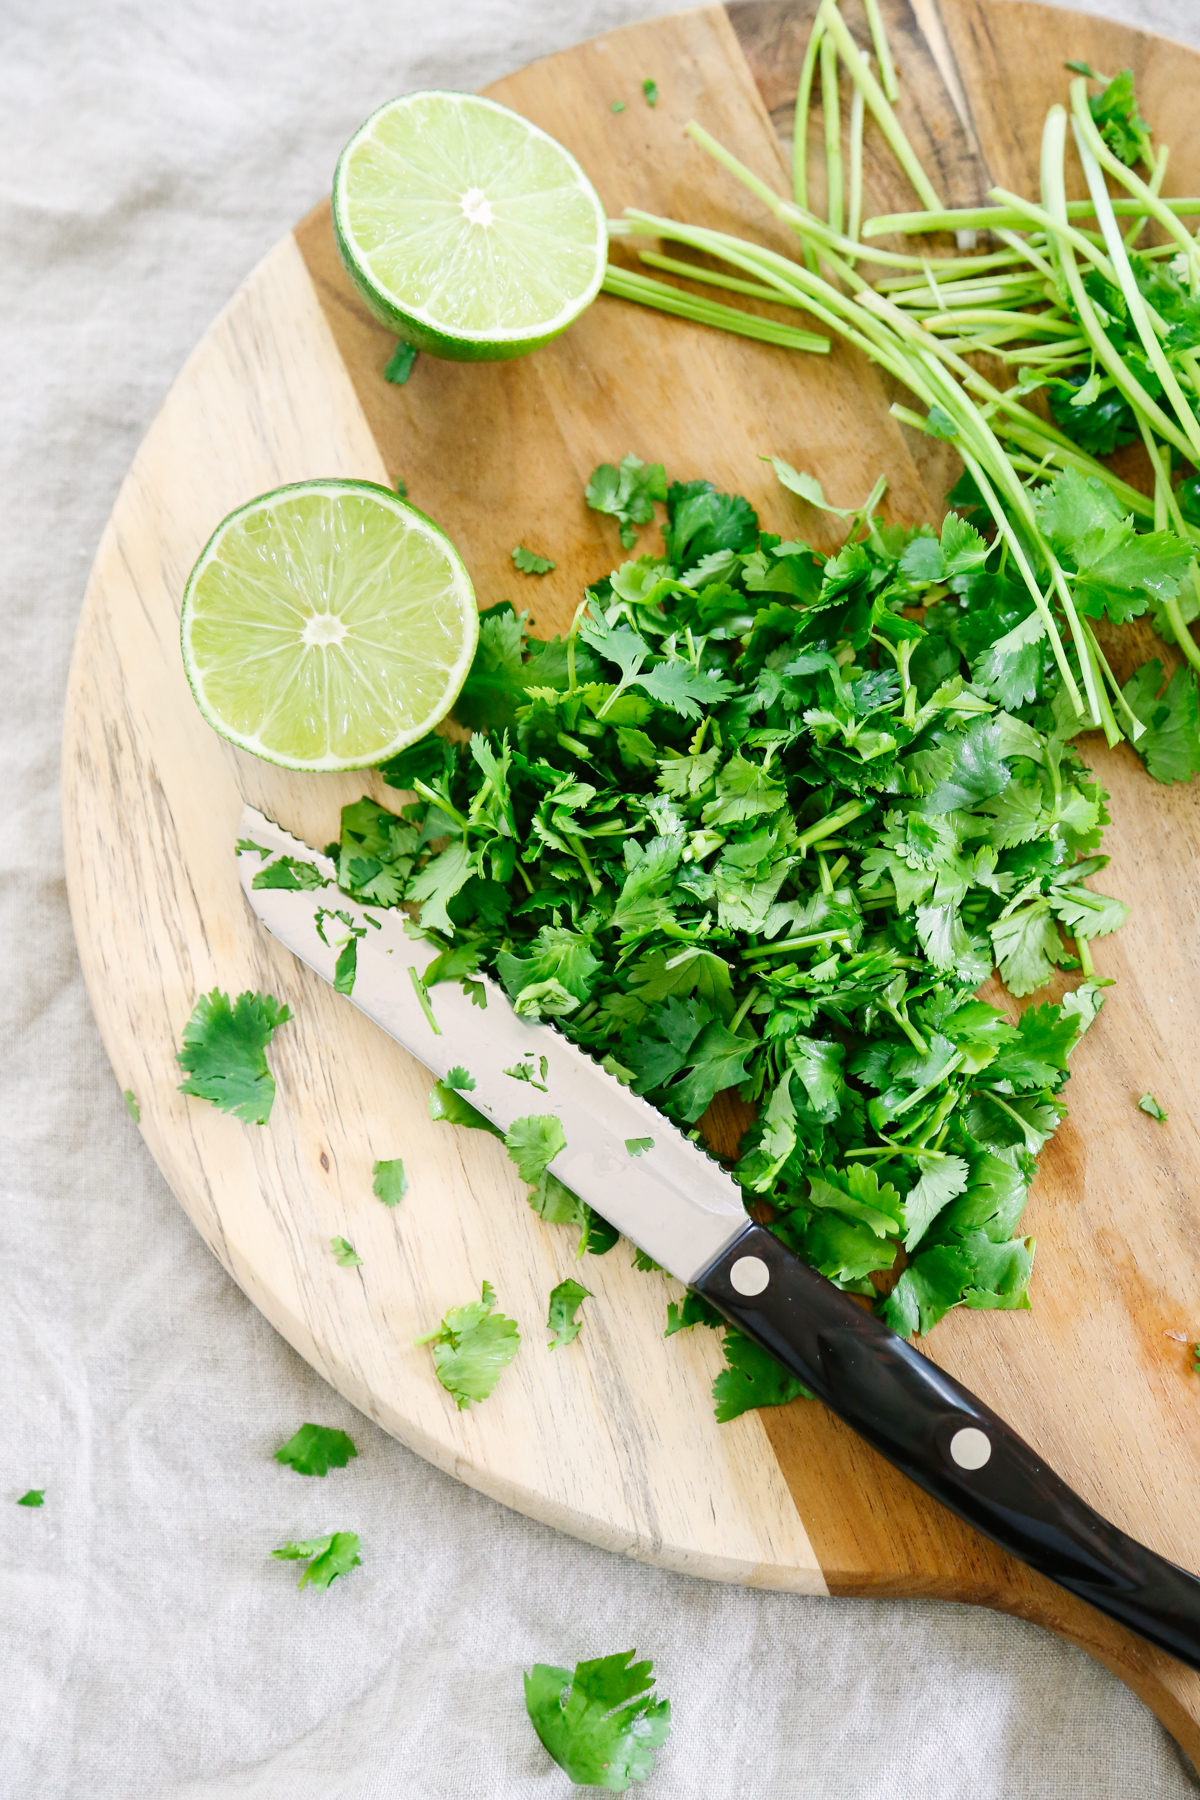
point(680, 1206)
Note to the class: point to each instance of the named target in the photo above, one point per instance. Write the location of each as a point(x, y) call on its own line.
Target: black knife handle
point(947, 1441)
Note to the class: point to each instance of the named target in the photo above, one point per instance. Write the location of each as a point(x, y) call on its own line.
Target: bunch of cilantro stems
point(755, 823)
point(1060, 302)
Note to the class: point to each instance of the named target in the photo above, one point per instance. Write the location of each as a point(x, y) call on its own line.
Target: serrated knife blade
point(674, 1201)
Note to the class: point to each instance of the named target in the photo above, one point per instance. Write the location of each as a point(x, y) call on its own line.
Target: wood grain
point(614, 1439)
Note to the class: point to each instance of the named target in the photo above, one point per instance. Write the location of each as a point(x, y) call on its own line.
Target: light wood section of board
point(612, 1438)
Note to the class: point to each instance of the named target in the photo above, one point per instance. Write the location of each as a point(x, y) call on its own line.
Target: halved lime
point(327, 625)
point(468, 231)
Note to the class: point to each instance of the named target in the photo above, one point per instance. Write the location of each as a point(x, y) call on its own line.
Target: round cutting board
point(614, 1438)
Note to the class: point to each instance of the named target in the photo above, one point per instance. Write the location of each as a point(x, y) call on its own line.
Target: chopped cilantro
point(618, 106)
point(327, 1557)
point(1170, 747)
point(650, 90)
point(224, 1053)
point(636, 1146)
point(471, 1346)
point(600, 1723)
point(132, 1107)
point(391, 1183)
point(565, 1300)
point(1149, 1104)
point(315, 1449)
point(1121, 125)
point(693, 1310)
point(33, 1497)
point(400, 364)
point(401, 487)
point(754, 827)
point(347, 1255)
point(530, 563)
point(753, 1378)
point(247, 846)
point(458, 1077)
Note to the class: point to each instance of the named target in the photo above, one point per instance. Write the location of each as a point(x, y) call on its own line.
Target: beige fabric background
point(148, 1649)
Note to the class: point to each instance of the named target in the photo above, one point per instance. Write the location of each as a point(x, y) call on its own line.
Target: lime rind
point(468, 231)
point(327, 625)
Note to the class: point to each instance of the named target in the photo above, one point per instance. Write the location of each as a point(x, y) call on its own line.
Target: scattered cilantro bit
point(565, 1300)
point(526, 1070)
point(446, 1103)
point(315, 1449)
point(650, 90)
point(246, 846)
point(602, 1723)
point(401, 487)
point(33, 1497)
point(391, 1183)
point(347, 1255)
point(327, 1557)
point(132, 1107)
point(289, 872)
point(628, 493)
point(752, 1379)
point(1196, 1358)
point(422, 993)
point(471, 1346)
point(1148, 1104)
point(617, 106)
point(939, 424)
point(530, 563)
point(458, 1077)
point(635, 1146)
point(400, 364)
point(224, 1053)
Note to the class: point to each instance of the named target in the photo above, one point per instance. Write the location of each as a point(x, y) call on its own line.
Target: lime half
point(467, 230)
point(327, 625)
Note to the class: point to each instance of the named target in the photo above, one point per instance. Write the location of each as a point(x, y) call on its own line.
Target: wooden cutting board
point(614, 1439)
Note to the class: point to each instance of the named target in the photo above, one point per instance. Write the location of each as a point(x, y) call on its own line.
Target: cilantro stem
point(581, 856)
point(833, 822)
point(996, 217)
point(420, 991)
point(800, 943)
point(1183, 636)
point(910, 1031)
point(1085, 956)
point(743, 1009)
point(443, 805)
point(808, 70)
point(756, 289)
point(877, 100)
point(626, 284)
point(832, 114)
point(857, 116)
point(883, 50)
point(1144, 196)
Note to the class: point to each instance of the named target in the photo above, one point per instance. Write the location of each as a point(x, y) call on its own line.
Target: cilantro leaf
point(627, 493)
point(565, 1300)
point(602, 1723)
point(315, 1449)
point(1120, 124)
point(942, 1178)
point(391, 1183)
point(495, 684)
point(702, 520)
point(447, 1104)
point(131, 1106)
point(693, 1310)
point(33, 1497)
point(1148, 1104)
point(327, 1557)
point(635, 1146)
point(346, 1254)
point(1170, 746)
point(533, 1143)
point(530, 563)
point(224, 1053)
point(471, 1347)
point(458, 1077)
point(752, 1379)
point(650, 90)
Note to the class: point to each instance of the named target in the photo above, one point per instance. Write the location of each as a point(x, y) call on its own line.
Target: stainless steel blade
point(675, 1202)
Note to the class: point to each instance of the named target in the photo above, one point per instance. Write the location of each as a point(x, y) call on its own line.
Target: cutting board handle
point(947, 1441)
